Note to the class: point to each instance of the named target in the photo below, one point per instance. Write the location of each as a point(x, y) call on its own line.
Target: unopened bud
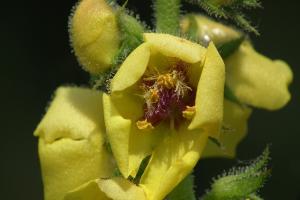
point(210, 30)
point(94, 35)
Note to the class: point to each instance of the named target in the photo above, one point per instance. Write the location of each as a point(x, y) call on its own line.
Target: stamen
point(144, 124)
point(154, 95)
point(166, 81)
point(168, 97)
point(151, 96)
point(181, 87)
point(189, 112)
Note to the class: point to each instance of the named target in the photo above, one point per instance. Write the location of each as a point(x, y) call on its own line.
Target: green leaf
point(230, 9)
point(210, 7)
point(259, 163)
point(241, 21)
point(242, 182)
point(167, 14)
point(184, 190)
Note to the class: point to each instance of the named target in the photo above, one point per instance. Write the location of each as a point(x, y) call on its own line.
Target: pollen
point(144, 124)
point(154, 97)
point(166, 80)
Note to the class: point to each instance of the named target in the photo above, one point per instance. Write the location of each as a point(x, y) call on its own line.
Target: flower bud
point(94, 35)
point(210, 30)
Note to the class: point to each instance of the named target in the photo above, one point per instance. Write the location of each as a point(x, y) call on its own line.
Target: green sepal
point(184, 190)
point(193, 29)
point(229, 9)
point(131, 30)
point(132, 36)
point(228, 48)
point(101, 81)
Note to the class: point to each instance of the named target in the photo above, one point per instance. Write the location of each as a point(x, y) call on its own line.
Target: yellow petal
point(87, 191)
point(235, 120)
point(256, 80)
point(74, 113)
point(194, 73)
point(172, 160)
point(121, 189)
point(132, 69)
point(210, 30)
point(71, 141)
point(94, 35)
point(210, 92)
point(160, 62)
point(129, 144)
point(106, 189)
point(175, 47)
point(67, 163)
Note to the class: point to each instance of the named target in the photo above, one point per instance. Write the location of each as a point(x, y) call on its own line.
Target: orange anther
point(144, 124)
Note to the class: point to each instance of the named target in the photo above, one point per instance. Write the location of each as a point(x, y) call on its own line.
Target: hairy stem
point(167, 13)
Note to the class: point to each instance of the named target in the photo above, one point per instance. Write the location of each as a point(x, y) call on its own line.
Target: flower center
point(168, 97)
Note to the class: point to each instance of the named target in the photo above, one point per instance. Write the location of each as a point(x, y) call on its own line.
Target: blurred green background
point(36, 59)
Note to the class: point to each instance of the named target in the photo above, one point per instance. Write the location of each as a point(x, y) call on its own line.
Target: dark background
point(36, 59)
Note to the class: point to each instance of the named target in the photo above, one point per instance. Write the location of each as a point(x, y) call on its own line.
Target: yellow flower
point(71, 142)
point(235, 124)
point(253, 78)
point(257, 80)
point(160, 83)
point(94, 35)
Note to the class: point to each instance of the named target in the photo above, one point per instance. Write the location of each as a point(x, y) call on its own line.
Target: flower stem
point(167, 13)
